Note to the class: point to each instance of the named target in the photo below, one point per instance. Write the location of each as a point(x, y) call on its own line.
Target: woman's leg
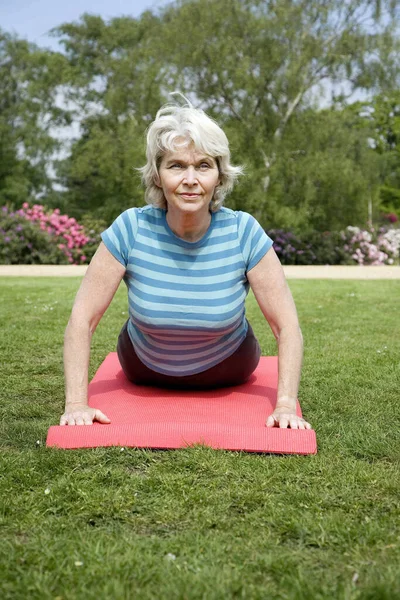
point(234, 370)
point(131, 364)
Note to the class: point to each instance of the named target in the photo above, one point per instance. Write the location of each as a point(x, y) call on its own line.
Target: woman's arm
point(97, 289)
point(268, 282)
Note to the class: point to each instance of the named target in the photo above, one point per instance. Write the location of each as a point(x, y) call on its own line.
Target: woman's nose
point(190, 175)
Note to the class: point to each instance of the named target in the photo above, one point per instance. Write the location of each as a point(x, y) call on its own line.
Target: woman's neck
point(188, 227)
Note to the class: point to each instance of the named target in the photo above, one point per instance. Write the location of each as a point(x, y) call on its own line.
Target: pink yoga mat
point(148, 417)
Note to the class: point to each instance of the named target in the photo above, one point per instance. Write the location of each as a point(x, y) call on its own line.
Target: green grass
point(197, 523)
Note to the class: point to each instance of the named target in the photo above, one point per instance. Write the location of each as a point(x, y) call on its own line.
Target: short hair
point(195, 127)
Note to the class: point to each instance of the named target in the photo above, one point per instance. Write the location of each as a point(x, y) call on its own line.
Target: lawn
point(198, 523)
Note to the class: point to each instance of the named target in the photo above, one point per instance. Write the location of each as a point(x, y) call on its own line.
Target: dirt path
point(291, 272)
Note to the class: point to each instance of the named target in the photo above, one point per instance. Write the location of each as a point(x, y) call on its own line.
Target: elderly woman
point(188, 263)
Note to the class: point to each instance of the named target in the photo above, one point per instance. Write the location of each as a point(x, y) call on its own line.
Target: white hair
point(174, 123)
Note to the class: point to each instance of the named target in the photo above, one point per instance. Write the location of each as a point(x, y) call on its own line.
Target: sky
point(33, 19)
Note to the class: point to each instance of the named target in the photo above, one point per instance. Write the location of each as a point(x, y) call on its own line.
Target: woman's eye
point(176, 166)
point(204, 166)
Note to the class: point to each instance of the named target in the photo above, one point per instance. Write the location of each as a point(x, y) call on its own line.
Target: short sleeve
point(254, 242)
point(120, 236)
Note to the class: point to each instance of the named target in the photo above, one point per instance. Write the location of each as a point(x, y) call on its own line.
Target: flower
point(170, 556)
point(370, 247)
point(62, 227)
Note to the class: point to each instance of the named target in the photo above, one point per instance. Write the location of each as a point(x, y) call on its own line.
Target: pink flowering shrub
point(69, 236)
point(348, 247)
point(371, 247)
point(37, 235)
point(24, 243)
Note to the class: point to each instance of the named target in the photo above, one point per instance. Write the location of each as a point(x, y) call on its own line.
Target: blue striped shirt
point(186, 299)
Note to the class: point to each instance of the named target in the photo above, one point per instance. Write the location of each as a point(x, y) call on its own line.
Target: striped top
point(186, 299)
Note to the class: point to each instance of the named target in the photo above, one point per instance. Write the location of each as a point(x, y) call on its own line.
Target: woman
point(188, 264)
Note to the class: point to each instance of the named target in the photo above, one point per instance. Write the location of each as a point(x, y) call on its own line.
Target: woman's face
point(188, 179)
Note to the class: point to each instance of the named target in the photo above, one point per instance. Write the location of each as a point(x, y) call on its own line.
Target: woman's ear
point(157, 180)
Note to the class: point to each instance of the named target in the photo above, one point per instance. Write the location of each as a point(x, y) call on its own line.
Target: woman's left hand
point(284, 417)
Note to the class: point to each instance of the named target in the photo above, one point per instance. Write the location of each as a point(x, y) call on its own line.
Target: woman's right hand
point(82, 414)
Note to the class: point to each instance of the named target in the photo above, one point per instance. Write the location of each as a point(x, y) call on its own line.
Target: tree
point(254, 63)
point(113, 86)
point(27, 112)
point(99, 175)
point(384, 119)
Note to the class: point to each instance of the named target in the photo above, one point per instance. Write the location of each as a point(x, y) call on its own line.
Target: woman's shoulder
point(147, 210)
point(224, 214)
point(240, 215)
point(136, 213)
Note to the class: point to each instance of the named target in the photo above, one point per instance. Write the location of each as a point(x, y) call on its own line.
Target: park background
point(307, 92)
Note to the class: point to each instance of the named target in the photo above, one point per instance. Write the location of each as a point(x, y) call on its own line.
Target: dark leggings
point(234, 370)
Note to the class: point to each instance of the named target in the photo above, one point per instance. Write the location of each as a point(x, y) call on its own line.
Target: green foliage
point(28, 109)
point(93, 228)
point(323, 176)
point(114, 66)
point(255, 66)
point(310, 248)
point(328, 248)
point(381, 119)
point(99, 175)
point(23, 242)
point(390, 199)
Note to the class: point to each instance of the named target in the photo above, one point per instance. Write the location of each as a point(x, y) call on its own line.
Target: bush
point(328, 248)
point(371, 247)
point(64, 230)
point(36, 235)
point(93, 228)
point(315, 249)
point(22, 242)
point(349, 247)
point(290, 249)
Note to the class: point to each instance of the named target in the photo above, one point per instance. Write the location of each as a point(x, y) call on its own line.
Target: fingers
point(84, 417)
point(76, 418)
point(67, 419)
point(285, 420)
point(101, 417)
